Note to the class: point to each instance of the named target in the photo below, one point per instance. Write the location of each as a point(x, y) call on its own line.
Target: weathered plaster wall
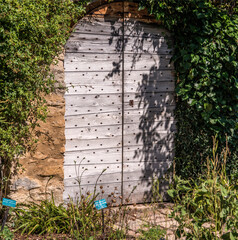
point(43, 168)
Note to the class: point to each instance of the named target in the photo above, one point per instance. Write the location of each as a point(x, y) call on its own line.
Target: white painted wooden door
point(119, 107)
point(148, 109)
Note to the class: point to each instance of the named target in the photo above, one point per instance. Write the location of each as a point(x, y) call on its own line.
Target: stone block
point(25, 183)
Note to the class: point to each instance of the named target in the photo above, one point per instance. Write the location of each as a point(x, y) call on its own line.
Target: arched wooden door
point(119, 104)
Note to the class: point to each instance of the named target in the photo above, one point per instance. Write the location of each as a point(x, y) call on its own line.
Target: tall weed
point(81, 220)
point(207, 208)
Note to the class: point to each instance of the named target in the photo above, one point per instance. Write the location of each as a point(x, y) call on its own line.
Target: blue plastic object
point(100, 204)
point(8, 202)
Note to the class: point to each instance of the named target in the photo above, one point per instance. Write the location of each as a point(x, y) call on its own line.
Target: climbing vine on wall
point(205, 34)
point(32, 33)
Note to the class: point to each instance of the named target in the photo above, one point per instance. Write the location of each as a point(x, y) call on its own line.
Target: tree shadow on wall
point(155, 130)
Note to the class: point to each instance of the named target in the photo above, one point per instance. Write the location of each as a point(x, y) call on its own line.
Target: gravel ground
point(151, 214)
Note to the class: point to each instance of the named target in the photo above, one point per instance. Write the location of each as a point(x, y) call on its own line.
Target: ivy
point(206, 62)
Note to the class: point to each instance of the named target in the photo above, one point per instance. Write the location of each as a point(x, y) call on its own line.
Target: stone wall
point(43, 168)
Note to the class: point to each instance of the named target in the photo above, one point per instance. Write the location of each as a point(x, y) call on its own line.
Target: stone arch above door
point(119, 104)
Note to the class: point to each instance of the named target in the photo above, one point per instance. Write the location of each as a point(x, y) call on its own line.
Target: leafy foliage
point(206, 62)
point(207, 208)
point(32, 33)
point(152, 233)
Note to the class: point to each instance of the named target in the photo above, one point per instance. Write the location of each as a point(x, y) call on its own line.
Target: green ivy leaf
point(208, 107)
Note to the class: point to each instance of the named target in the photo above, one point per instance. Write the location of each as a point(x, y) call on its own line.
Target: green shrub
point(208, 207)
point(80, 219)
point(152, 233)
point(32, 34)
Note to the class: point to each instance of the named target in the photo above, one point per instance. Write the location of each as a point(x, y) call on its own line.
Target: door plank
point(93, 100)
point(90, 43)
point(99, 26)
point(145, 75)
point(91, 62)
point(147, 62)
point(109, 131)
point(112, 62)
point(74, 111)
point(137, 27)
point(144, 169)
point(102, 99)
point(81, 144)
point(96, 78)
point(92, 89)
point(105, 119)
point(92, 179)
point(92, 78)
point(74, 172)
point(94, 132)
point(95, 44)
point(84, 157)
point(138, 154)
point(116, 88)
point(93, 119)
point(141, 191)
point(113, 155)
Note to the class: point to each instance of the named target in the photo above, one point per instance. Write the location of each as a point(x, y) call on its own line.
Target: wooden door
point(119, 105)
